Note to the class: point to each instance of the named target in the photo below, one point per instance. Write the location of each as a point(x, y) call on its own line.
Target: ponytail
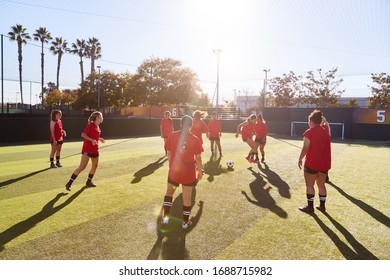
point(185, 123)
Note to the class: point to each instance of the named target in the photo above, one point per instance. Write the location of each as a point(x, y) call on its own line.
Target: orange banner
point(371, 116)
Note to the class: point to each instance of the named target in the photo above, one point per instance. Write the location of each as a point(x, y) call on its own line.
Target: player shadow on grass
point(100, 148)
point(11, 181)
point(213, 168)
point(262, 195)
point(171, 238)
point(359, 252)
point(48, 210)
point(148, 170)
point(376, 214)
point(275, 180)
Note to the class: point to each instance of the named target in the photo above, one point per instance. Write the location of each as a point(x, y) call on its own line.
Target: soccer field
point(250, 212)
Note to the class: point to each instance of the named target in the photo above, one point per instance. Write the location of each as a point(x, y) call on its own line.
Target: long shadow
point(275, 180)
point(100, 148)
point(174, 246)
point(213, 168)
point(376, 214)
point(115, 144)
point(11, 181)
point(262, 196)
point(359, 252)
point(279, 138)
point(47, 211)
point(148, 170)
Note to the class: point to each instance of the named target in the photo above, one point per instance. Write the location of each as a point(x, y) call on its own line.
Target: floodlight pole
point(98, 67)
point(217, 52)
point(2, 76)
point(265, 86)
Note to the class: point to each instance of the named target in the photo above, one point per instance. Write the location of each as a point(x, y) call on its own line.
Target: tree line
point(90, 49)
point(157, 81)
point(160, 81)
point(322, 90)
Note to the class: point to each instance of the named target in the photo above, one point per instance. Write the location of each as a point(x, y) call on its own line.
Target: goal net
point(336, 129)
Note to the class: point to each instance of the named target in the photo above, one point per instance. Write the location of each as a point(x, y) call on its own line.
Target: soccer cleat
point(185, 225)
point(256, 160)
point(306, 209)
point(52, 165)
point(249, 159)
point(89, 183)
point(165, 220)
point(321, 208)
point(262, 159)
point(68, 187)
point(58, 164)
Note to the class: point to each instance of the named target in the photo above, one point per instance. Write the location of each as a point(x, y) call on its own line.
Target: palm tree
point(94, 50)
point(59, 46)
point(19, 35)
point(80, 48)
point(43, 36)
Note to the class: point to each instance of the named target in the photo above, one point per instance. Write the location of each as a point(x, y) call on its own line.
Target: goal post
point(336, 129)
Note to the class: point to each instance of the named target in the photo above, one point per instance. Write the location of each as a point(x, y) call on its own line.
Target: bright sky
point(280, 35)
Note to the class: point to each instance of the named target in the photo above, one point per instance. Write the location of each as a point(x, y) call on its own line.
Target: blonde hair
point(199, 114)
point(54, 113)
point(185, 123)
point(94, 115)
point(251, 117)
point(260, 117)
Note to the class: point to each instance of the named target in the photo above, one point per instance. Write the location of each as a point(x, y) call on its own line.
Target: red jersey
point(199, 127)
point(182, 161)
point(261, 130)
point(93, 131)
point(166, 126)
point(214, 126)
point(247, 131)
point(318, 157)
point(58, 131)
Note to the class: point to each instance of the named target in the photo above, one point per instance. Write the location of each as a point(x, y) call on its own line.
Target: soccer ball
point(230, 164)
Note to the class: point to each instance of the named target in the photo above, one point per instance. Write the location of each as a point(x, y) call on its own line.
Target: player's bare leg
point(168, 198)
point(310, 192)
point(321, 178)
point(187, 197)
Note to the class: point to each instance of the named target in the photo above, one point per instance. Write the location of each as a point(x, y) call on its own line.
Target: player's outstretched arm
point(239, 127)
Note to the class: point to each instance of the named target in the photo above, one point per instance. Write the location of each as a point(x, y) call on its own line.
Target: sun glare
point(218, 18)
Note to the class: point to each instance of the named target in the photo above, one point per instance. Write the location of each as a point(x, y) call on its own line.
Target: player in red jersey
point(199, 126)
point(317, 152)
point(166, 127)
point(57, 135)
point(247, 129)
point(185, 168)
point(90, 150)
point(261, 131)
point(215, 129)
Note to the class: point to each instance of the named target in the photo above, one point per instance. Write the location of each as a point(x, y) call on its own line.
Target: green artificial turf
point(250, 212)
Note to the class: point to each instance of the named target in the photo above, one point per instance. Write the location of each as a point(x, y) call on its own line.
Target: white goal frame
point(330, 124)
